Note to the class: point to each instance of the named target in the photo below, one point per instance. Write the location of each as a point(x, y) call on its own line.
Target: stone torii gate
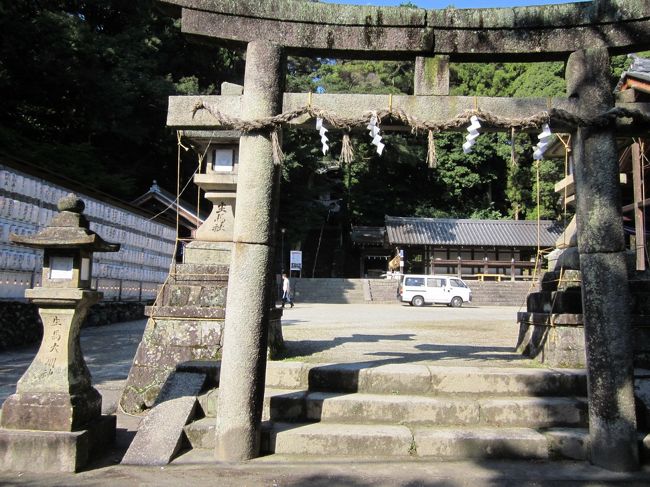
point(582, 34)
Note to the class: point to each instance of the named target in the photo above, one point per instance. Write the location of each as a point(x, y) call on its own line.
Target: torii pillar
point(243, 364)
point(605, 292)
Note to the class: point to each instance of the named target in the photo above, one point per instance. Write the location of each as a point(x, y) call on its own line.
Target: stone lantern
point(219, 182)
point(212, 241)
point(54, 420)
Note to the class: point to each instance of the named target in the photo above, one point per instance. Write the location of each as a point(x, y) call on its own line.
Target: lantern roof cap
point(69, 229)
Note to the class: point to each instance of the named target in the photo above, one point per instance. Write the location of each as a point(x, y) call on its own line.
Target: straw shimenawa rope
point(278, 155)
point(557, 115)
point(432, 157)
point(347, 151)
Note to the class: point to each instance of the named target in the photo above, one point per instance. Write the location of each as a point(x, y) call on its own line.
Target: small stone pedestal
point(551, 329)
point(53, 422)
point(220, 190)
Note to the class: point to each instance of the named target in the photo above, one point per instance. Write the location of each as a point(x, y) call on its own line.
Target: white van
point(419, 289)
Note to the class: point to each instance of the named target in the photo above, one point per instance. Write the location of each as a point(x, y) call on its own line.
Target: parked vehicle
point(419, 290)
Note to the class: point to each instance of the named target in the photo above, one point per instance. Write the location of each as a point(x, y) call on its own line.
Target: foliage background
point(84, 87)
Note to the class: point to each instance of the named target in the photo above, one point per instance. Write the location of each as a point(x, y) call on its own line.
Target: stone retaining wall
point(20, 324)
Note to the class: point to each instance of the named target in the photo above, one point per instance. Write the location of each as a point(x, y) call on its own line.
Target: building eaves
point(465, 232)
point(363, 235)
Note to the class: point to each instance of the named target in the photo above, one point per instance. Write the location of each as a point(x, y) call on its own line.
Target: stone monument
point(53, 422)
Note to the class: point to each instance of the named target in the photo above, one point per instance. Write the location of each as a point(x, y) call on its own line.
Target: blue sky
point(455, 3)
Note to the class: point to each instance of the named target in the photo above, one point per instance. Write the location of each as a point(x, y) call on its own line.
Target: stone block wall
point(20, 324)
point(184, 325)
point(166, 343)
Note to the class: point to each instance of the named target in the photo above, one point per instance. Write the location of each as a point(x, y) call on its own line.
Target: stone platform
point(55, 451)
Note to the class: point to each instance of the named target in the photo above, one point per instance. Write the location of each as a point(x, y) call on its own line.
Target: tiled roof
point(639, 64)
point(169, 200)
point(639, 69)
point(492, 233)
point(368, 235)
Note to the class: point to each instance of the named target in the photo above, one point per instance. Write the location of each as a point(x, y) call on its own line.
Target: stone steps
point(391, 440)
point(504, 293)
point(419, 410)
point(426, 379)
point(339, 290)
point(382, 290)
point(538, 412)
point(452, 444)
point(415, 411)
point(322, 290)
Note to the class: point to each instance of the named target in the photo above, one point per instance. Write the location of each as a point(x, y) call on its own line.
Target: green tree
point(84, 86)
point(519, 193)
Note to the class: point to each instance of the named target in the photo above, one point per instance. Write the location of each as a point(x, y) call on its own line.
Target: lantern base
point(208, 253)
point(55, 451)
point(51, 411)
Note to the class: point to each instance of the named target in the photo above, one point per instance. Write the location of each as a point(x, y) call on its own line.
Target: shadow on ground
point(427, 352)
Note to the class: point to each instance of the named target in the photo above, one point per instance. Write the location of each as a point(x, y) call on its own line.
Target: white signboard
point(295, 260)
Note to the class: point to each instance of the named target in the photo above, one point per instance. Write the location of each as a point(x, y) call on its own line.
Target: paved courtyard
point(393, 333)
point(324, 333)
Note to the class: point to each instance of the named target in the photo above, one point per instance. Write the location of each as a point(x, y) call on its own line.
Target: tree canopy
point(85, 84)
point(84, 87)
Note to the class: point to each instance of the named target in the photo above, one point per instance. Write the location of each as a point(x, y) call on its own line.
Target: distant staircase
point(328, 290)
point(341, 290)
point(429, 412)
point(382, 290)
point(504, 293)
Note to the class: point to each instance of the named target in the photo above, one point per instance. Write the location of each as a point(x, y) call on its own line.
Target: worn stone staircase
point(504, 293)
point(381, 290)
point(341, 290)
point(328, 290)
point(415, 411)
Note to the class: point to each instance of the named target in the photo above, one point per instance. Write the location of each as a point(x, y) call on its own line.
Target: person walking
point(286, 291)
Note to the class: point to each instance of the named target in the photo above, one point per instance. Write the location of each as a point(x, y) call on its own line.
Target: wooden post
point(639, 206)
